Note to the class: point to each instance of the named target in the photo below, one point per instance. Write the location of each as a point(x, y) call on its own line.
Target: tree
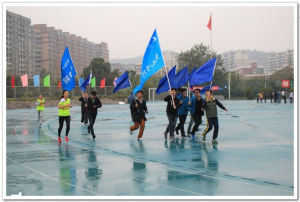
point(99, 69)
point(199, 55)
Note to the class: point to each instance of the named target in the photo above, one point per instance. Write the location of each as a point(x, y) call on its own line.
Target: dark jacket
point(138, 113)
point(170, 108)
point(83, 102)
point(195, 105)
point(211, 108)
point(97, 103)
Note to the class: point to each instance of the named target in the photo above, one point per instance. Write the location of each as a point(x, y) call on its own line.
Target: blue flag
point(181, 78)
point(192, 72)
point(81, 80)
point(152, 61)
point(86, 82)
point(204, 74)
point(122, 82)
point(163, 84)
point(68, 72)
point(36, 80)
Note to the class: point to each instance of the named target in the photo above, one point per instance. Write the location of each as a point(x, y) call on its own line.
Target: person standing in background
point(291, 97)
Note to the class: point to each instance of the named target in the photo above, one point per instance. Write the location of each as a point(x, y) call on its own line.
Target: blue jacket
point(184, 107)
point(193, 104)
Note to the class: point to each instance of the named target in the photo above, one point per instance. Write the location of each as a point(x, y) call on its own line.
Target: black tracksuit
point(92, 109)
point(84, 115)
point(197, 116)
point(171, 114)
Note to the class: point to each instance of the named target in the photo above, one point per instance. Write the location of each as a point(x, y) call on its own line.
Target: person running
point(182, 111)
point(291, 97)
point(139, 108)
point(283, 94)
point(210, 107)
point(84, 116)
point(93, 104)
point(171, 112)
point(189, 129)
point(64, 106)
point(196, 111)
point(40, 108)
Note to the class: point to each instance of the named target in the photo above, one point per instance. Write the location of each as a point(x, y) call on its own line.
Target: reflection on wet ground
point(254, 155)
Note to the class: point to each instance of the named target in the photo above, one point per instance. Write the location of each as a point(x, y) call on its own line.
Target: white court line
point(111, 173)
point(50, 177)
point(229, 180)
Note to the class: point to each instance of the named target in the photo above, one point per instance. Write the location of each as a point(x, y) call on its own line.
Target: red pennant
point(102, 85)
point(13, 82)
point(59, 84)
point(209, 23)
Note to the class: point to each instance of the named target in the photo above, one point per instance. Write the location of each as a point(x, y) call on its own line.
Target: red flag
point(102, 85)
point(59, 84)
point(209, 23)
point(13, 82)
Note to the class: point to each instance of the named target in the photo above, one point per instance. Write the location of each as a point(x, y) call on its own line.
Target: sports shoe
point(193, 136)
point(66, 139)
point(177, 133)
point(183, 136)
point(94, 136)
point(130, 132)
point(172, 137)
point(214, 141)
point(203, 137)
point(59, 140)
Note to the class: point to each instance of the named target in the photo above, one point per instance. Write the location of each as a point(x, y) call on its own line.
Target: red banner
point(285, 83)
point(13, 81)
point(102, 84)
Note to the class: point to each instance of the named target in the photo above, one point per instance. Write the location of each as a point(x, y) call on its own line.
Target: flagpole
point(211, 53)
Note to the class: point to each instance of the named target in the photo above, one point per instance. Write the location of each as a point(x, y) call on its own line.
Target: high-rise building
point(235, 59)
point(33, 48)
point(277, 61)
point(18, 45)
point(50, 44)
point(102, 51)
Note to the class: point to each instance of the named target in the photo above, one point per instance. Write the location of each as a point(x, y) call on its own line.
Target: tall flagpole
point(211, 50)
point(168, 78)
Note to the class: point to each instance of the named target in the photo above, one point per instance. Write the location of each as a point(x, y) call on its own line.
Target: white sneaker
point(130, 132)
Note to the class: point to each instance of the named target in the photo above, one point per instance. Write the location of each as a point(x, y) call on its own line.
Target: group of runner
point(178, 106)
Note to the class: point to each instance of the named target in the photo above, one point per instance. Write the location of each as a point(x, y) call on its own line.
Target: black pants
point(212, 122)
point(198, 120)
point(84, 116)
point(61, 124)
point(172, 123)
point(92, 119)
point(181, 123)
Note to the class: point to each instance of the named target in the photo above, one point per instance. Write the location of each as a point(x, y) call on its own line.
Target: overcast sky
point(127, 30)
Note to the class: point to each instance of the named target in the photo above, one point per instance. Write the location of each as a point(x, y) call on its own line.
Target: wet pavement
point(254, 155)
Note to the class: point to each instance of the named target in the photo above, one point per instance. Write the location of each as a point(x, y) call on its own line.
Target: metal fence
point(52, 91)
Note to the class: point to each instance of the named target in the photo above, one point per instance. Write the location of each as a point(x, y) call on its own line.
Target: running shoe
point(66, 139)
point(130, 132)
point(177, 133)
point(193, 136)
point(94, 137)
point(214, 141)
point(59, 140)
